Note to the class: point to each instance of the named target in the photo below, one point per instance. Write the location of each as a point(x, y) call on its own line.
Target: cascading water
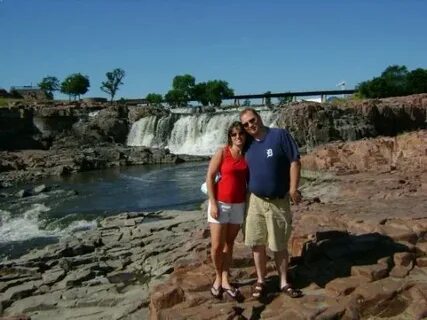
point(197, 134)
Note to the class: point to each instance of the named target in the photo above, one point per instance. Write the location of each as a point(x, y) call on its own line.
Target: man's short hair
point(246, 110)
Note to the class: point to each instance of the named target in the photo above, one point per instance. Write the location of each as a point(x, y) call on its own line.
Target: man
point(274, 170)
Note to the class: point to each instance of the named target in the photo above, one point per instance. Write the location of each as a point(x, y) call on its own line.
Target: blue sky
point(254, 45)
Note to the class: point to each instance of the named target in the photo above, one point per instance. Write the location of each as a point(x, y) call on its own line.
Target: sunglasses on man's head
point(247, 123)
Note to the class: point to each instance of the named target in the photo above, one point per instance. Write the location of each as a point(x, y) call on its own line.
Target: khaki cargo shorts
point(268, 222)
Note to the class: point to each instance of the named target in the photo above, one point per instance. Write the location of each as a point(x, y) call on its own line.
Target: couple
point(264, 164)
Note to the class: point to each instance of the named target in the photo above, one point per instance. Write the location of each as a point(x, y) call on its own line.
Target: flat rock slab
point(88, 276)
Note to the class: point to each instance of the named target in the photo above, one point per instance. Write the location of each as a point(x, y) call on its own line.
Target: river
point(74, 203)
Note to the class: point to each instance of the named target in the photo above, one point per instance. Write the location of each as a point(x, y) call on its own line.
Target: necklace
point(236, 152)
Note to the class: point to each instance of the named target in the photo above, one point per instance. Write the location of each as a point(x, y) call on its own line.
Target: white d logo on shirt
point(269, 153)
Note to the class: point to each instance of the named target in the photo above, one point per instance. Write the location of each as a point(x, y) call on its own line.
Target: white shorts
point(232, 213)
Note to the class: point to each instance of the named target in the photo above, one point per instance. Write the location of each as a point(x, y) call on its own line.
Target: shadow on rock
point(335, 254)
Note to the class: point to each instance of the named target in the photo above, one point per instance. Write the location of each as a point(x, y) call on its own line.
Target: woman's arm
point(213, 169)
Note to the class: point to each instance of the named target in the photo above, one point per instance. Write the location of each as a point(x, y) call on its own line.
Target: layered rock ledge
point(32, 165)
point(104, 273)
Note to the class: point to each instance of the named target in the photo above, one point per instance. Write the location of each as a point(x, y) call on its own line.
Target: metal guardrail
point(292, 94)
point(25, 88)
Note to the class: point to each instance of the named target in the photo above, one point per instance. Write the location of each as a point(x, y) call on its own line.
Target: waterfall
point(142, 132)
point(198, 134)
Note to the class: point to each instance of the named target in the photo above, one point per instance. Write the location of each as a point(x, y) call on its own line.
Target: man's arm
point(295, 173)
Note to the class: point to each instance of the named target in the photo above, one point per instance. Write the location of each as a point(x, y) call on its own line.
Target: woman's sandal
point(291, 292)
point(232, 292)
point(216, 292)
point(258, 290)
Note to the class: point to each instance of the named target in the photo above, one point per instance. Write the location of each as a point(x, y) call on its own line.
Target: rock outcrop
point(38, 126)
point(358, 247)
point(313, 124)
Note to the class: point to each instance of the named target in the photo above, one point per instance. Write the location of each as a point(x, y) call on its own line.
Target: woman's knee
point(228, 247)
point(217, 247)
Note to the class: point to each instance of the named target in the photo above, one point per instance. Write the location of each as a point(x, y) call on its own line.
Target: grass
point(4, 102)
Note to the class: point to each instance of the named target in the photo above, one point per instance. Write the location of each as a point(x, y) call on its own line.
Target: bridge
point(322, 93)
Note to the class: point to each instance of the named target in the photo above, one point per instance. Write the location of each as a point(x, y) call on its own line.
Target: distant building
point(4, 93)
point(28, 93)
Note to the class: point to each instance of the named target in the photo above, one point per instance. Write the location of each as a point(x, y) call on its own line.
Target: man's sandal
point(216, 292)
point(291, 292)
point(258, 290)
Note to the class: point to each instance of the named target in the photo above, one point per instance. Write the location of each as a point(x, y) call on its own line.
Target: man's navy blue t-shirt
point(269, 162)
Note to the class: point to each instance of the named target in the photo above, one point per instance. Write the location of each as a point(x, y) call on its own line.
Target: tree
point(176, 98)
point(216, 90)
point(114, 80)
point(75, 85)
point(417, 81)
point(154, 98)
point(395, 78)
point(49, 84)
point(200, 93)
point(394, 81)
point(184, 83)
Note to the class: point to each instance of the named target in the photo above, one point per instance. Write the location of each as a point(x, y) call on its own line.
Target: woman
point(226, 205)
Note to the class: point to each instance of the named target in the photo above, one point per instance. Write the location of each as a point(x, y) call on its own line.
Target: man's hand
point(295, 196)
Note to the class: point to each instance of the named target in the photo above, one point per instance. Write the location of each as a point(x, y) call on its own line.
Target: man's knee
point(258, 248)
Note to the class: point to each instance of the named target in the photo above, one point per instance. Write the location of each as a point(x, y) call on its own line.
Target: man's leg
point(256, 238)
point(260, 259)
point(281, 260)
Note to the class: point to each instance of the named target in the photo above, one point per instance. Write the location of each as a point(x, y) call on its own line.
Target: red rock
point(399, 271)
point(421, 248)
point(403, 259)
point(372, 272)
point(421, 262)
point(398, 234)
point(345, 286)
point(165, 296)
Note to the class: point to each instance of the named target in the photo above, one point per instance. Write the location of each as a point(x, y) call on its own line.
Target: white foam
point(80, 225)
point(26, 226)
point(93, 113)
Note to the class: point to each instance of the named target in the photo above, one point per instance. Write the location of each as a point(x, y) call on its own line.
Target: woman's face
point(238, 137)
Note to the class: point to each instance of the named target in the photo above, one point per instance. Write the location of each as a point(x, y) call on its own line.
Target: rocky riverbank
point(32, 165)
point(104, 273)
point(359, 251)
point(359, 247)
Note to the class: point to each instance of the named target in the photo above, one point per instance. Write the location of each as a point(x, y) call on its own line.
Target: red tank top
point(231, 188)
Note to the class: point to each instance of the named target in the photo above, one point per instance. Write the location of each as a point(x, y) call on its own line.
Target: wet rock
point(40, 188)
point(23, 193)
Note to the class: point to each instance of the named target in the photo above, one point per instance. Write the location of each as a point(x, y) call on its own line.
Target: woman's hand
point(214, 210)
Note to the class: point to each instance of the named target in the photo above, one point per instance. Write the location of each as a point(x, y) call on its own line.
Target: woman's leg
point(230, 235)
point(218, 235)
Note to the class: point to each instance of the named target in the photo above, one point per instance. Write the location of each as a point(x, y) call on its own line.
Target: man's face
point(251, 123)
